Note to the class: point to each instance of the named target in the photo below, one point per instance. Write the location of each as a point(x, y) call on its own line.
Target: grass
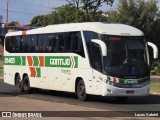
point(155, 87)
point(1, 63)
point(1, 72)
point(1, 67)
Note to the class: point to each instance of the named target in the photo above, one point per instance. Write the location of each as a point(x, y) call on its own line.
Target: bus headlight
point(110, 83)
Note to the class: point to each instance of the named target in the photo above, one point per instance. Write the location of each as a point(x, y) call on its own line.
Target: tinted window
point(41, 43)
point(96, 58)
point(8, 44)
point(61, 41)
point(33, 43)
point(67, 43)
point(25, 44)
point(88, 35)
point(13, 44)
point(45, 43)
point(76, 45)
point(52, 42)
point(48, 43)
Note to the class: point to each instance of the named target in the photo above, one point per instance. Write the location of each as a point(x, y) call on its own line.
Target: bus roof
point(99, 27)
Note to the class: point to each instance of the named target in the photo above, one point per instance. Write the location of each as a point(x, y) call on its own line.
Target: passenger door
point(96, 62)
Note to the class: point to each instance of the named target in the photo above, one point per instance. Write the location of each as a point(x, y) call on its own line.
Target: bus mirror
point(155, 50)
point(102, 45)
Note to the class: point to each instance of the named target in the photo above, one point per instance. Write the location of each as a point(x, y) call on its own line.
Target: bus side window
point(49, 43)
point(61, 40)
point(76, 43)
point(33, 44)
point(55, 43)
point(25, 44)
point(41, 40)
point(8, 44)
point(17, 45)
point(89, 35)
point(52, 43)
point(67, 43)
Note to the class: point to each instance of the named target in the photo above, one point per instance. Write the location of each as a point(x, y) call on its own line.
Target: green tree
point(141, 14)
point(63, 14)
point(74, 11)
point(36, 21)
point(90, 7)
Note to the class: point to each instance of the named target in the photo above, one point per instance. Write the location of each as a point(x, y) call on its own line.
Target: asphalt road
point(146, 103)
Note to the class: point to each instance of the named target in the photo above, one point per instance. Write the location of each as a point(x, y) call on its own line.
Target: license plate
point(129, 91)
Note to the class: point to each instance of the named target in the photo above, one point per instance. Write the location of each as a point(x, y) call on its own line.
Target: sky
point(24, 10)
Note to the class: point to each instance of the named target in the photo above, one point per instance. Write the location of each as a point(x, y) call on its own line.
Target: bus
point(90, 58)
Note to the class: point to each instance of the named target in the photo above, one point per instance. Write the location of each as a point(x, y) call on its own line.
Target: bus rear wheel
point(81, 91)
point(18, 83)
point(26, 84)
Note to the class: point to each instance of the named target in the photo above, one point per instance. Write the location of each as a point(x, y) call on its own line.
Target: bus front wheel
point(81, 91)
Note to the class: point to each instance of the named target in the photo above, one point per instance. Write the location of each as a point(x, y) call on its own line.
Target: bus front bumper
point(108, 90)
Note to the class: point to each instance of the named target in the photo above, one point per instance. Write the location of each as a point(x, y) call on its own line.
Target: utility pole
point(7, 13)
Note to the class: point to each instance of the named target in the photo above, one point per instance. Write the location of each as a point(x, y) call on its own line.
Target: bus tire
point(26, 84)
point(19, 83)
point(81, 91)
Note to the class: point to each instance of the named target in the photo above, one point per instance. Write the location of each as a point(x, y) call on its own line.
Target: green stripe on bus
point(76, 61)
point(23, 61)
point(61, 61)
point(142, 80)
point(38, 70)
point(50, 61)
point(14, 60)
point(35, 61)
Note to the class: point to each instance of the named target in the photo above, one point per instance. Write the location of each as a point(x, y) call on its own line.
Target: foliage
point(37, 21)
point(90, 7)
point(155, 68)
point(138, 13)
point(155, 87)
point(13, 23)
point(73, 12)
point(64, 14)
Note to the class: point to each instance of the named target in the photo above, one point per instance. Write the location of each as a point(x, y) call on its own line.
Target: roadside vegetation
point(1, 67)
point(155, 71)
point(155, 68)
point(155, 87)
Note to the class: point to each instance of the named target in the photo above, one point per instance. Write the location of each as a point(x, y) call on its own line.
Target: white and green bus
point(86, 58)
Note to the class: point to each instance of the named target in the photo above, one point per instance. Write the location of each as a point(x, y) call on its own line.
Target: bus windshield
point(126, 56)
